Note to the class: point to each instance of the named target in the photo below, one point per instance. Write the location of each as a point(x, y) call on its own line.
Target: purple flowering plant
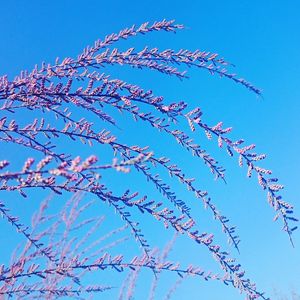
point(61, 101)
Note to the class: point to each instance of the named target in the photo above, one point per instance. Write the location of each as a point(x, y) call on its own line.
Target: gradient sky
point(262, 39)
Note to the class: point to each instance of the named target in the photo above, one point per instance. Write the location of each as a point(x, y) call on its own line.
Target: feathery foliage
point(52, 96)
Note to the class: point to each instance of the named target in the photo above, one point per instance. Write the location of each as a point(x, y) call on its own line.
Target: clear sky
point(262, 39)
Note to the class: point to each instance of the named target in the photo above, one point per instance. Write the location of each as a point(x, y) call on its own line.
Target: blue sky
point(262, 39)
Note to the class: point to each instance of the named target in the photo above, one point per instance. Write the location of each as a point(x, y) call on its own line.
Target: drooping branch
point(79, 85)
